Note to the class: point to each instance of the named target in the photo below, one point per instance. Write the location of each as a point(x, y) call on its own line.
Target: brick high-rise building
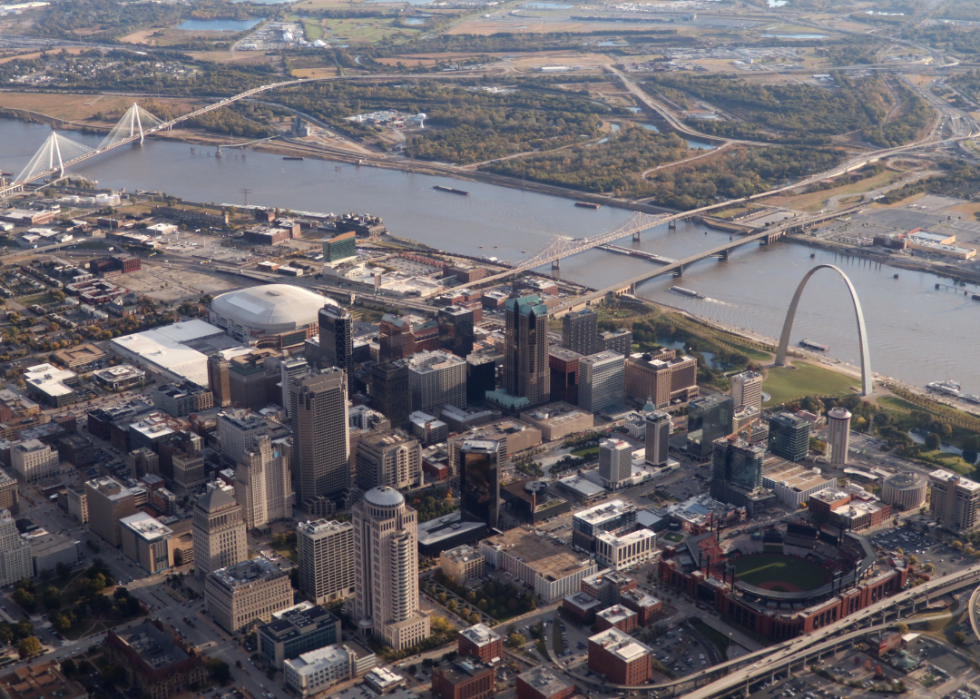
point(526, 370)
point(108, 502)
point(388, 458)
point(463, 679)
point(482, 643)
point(661, 377)
point(580, 331)
point(955, 500)
point(620, 658)
point(543, 683)
point(386, 579)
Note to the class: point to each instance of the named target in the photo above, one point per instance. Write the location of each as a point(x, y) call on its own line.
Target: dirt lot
point(172, 285)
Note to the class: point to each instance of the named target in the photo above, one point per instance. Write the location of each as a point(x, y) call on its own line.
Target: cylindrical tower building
point(839, 422)
point(386, 579)
point(904, 491)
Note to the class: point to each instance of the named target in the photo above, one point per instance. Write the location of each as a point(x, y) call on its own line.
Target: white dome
point(272, 307)
point(384, 496)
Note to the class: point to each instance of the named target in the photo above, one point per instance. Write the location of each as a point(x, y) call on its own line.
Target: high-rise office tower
point(456, 330)
point(479, 480)
point(290, 369)
point(388, 458)
point(955, 501)
point(436, 379)
point(563, 364)
point(386, 575)
point(16, 563)
point(390, 392)
point(481, 376)
point(615, 463)
point(318, 415)
point(326, 560)
point(219, 381)
point(580, 331)
point(237, 429)
point(658, 427)
point(789, 436)
point(264, 482)
point(219, 533)
point(737, 462)
point(747, 390)
point(526, 370)
point(708, 419)
point(617, 340)
point(336, 337)
point(108, 502)
point(839, 434)
point(601, 381)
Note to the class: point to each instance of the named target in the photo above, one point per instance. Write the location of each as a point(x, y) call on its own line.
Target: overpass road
point(749, 668)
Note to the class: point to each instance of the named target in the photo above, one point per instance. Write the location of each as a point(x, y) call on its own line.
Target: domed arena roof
point(271, 307)
point(384, 496)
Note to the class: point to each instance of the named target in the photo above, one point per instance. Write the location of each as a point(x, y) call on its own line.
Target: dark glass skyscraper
point(708, 419)
point(456, 330)
point(789, 437)
point(479, 481)
point(526, 370)
point(336, 337)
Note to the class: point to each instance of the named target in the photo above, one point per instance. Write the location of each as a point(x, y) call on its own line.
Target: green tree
point(68, 666)
point(516, 640)
point(959, 638)
point(30, 647)
point(933, 442)
point(902, 627)
point(218, 670)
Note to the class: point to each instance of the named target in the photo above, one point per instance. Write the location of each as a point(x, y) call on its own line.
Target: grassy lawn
point(41, 299)
point(785, 571)
point(592, 450)
point(786, 384)
point(312, 29)
point(673, 536)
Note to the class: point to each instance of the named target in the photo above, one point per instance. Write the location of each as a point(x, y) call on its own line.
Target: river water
point(917, 334)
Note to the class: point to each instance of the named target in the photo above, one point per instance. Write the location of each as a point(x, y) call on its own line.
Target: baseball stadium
point(781, 581)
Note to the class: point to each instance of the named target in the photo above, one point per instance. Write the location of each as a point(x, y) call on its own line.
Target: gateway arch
point(866, 386)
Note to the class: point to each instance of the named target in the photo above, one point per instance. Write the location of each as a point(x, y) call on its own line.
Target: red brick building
point(620, 658)
point(608, 587)
point(582, 607)
point(482, 643)
point(616, 617)
point(154, 661)
point(647, 607)
point(463, 679)
point(543, 683)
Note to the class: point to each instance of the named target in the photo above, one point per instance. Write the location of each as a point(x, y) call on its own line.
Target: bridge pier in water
point(556, 264)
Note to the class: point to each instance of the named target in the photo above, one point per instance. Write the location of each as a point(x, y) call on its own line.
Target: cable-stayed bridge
point(59, 152)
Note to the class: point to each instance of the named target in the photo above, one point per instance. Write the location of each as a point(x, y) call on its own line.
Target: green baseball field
point(780, 573)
